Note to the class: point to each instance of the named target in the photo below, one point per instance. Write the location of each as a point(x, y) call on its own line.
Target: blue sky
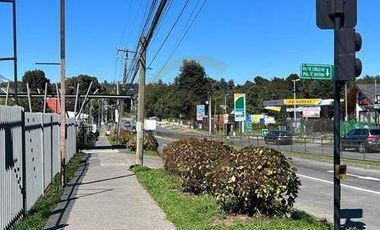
point(232, 39)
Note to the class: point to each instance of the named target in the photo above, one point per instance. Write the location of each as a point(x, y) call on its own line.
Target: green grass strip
point(40, 212)
point(192, 212)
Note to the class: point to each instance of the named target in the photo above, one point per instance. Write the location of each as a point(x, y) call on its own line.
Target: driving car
point(362, 139)
point(279, 138)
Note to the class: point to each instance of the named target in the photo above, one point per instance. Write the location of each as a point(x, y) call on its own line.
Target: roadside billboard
point(311, 112)
point(201, 112)
point(239, 106)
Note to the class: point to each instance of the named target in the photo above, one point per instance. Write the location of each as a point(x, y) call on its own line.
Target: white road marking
point(360, 177)
point(343, 185)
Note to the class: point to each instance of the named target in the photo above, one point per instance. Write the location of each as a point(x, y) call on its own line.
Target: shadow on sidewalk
point(58, 217)
point(101, 147)
point(101, 180)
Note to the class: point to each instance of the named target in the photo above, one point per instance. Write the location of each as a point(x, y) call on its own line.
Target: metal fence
point(307, 145)
point(29, 158)
point(317, 145)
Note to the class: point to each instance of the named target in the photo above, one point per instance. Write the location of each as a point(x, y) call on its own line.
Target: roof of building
point(369, 91)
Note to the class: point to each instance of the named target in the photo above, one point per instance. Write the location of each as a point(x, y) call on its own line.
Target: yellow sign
point(301, 101)
point(274, 108)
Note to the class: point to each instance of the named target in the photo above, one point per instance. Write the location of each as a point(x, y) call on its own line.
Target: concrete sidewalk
point(106, 195)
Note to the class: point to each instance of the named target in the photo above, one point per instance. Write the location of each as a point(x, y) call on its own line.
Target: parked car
point(279, 138)
point(364, 140)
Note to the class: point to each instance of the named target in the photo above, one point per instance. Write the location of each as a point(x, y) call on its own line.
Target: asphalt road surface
point(308, 148)
point(360, 190)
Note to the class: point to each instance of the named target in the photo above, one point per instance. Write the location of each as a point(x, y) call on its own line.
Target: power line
point(154, 23)
point(165, 13)
point(182, 37)
point(170, 31)
point(149, 35)
point(129, 6)
point(147, 17)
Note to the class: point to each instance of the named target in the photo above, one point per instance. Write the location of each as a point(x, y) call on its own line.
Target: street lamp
point(225, 113)
point(294, 102)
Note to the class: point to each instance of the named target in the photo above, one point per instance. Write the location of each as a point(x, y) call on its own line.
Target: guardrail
point(29, 158)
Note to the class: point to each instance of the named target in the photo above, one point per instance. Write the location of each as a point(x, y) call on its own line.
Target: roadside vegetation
point(40, 212)
point(129, 140)
point(208, 185)
point(189, 211)
point(90, 139)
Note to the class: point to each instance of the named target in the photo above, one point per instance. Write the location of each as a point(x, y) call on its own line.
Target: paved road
point(360, 190)
point(309, 148)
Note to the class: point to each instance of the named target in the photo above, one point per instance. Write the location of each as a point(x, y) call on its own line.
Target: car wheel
point(361, 148)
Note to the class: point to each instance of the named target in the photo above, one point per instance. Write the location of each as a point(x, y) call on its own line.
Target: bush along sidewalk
point(129, 139)
point(40, 212)
point(202, 211)
point(252, 180)
point(255, 184)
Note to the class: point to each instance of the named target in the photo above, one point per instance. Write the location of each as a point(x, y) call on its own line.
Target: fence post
point(291, 146)
point(24, 198)
point(42, 153)
point(364, 154)
point(305, 144)
point(322, 143)
point(257, 138)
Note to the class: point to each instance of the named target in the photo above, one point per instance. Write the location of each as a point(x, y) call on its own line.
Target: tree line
point(192, 86)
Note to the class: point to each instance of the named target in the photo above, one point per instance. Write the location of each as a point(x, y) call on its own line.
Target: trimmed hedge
point(193, 160)
point(253, 180)
point(129, 139)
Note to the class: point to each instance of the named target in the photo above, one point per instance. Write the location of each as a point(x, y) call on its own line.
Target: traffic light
point(348, 67)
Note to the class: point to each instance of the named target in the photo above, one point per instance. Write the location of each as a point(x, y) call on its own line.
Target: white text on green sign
point(317, 71)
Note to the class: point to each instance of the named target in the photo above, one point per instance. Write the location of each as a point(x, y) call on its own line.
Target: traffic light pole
point(337, 116)
point(341, 16)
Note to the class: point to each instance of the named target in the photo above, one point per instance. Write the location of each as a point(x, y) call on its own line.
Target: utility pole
point(225, 115)
point(118, 113)
point(125, 72)
point(294, 104)
point(209, 116)
point(375, 102)
point(101, 111)
point(63, 91)
point(141, 103)
point(345, 103)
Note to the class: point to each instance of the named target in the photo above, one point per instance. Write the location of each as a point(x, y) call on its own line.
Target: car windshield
point(375, 132)
point(280, 133)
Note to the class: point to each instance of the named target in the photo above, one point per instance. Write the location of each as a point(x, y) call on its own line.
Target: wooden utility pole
point(63, 92)
point(118, 113)
point(209, 116)
point(141, 103)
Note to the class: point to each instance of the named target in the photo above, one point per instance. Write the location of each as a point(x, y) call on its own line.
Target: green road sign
point(317, 71)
